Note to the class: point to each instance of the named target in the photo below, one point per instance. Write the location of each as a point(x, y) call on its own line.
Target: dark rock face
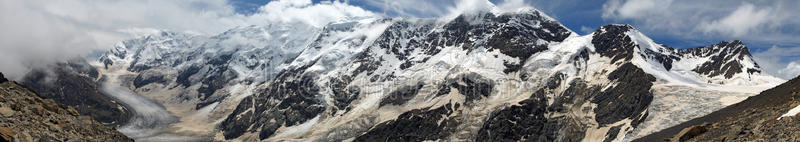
point(519, 40)
point(291, 100)
point(146, 78)
point(2, 78)
point(210, 101)
point(428, 124)
point(342, 95)
point(69, 86)
point(725, 57)
point(472, 86)
point(612, 133)
point(577, 90)
point(526, 122)
point(401, 95)
point(183, 78)
point(27, 117)
point(415, 125)
point(628, 98)
point(215, 79)
point(665, 60)
point(611, 41)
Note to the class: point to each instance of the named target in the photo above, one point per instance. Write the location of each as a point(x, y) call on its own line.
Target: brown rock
point(691, 132)
point(6, 134)
point(6, 111)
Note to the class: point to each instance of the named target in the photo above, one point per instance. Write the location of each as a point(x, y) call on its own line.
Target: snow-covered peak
point(725, 63)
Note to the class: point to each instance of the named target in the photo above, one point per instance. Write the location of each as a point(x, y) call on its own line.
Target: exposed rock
point(291, 100)
point(27, 117)
point(611, 41)
point(472, 86)
point(526, 121)
point(691, 132)
point(76, 84)
point(725, 57)
point(2, 78)
point(627, 99)
point(146, 78)
point(343, 95)
point(415, 125)
point(401, 95)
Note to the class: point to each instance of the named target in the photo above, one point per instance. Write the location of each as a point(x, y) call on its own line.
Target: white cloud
point(634, 8)
point(745, 19)
point(586, 30)
point(38, 32)
point(512, 4)
point(778, 61)
point(304, 11)
point(411, 8)
point(791, 70)
point(748, 20)
point(439, 8)
point(472, 6)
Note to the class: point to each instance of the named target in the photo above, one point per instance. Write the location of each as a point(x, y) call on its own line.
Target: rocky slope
point(75, 83)
point(764, 117)
point(481, 76)
point(26, 117)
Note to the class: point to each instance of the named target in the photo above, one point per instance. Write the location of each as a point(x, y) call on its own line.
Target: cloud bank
point(304, 11)
point(438, 8)
point(40, 32)
point(37, 32)
point(780, 62)
point(775, 19)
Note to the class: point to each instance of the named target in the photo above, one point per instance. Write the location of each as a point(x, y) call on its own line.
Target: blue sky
point(45, 31)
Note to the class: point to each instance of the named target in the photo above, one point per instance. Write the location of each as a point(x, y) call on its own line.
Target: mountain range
point(488, 75)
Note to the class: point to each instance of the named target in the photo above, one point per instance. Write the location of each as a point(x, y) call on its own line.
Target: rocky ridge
point(26, 117)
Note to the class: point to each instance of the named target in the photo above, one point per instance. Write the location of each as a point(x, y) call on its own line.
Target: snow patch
point(791, 112)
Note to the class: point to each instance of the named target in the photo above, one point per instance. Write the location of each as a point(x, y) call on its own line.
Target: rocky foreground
point(754, 119)
point(24, 116)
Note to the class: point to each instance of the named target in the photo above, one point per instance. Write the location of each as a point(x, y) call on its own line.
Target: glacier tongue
point(674, 104)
